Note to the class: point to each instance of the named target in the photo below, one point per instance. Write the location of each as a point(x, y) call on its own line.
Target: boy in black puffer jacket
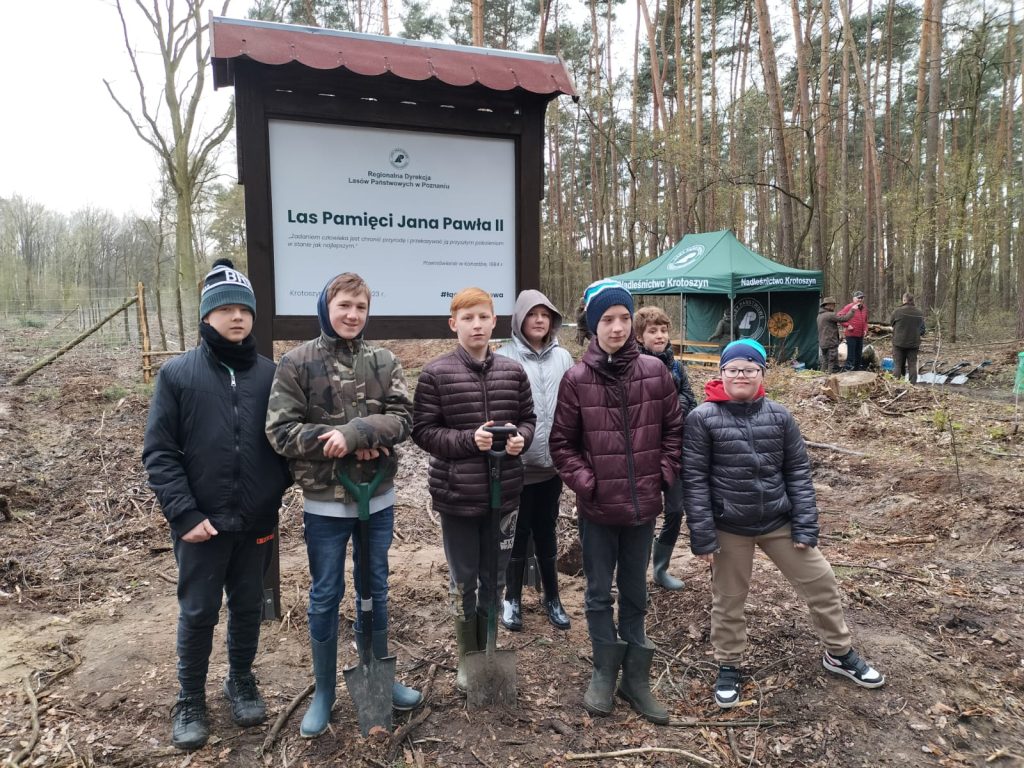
point(219, 484)
point(746, 482)
point(652, 327)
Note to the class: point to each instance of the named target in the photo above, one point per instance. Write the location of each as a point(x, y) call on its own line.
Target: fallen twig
point(901, 574)
point(748, 723)
point(402, 733)
point(283, 718)
point(899, 541)
point(169, 579)
point(994, 452)
point(34, 736)
point(695, 759)
point(836, 448)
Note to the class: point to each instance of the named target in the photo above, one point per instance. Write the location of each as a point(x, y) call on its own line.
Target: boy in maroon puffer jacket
point(458, 395)
point(616, 442)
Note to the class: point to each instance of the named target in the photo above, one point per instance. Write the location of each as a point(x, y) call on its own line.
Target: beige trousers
point(806, 569)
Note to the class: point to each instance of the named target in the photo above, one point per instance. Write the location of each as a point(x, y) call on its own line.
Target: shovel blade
point(370, 686)
point(490, 679)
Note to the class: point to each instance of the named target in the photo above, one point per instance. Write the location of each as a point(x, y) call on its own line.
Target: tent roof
point(716, 263)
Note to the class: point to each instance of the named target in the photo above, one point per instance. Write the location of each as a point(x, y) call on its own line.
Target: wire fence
point(72, 328)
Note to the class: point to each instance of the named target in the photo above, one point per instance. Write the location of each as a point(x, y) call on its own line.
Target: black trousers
point(228, 562)
point(538, 514)
point(469, 550)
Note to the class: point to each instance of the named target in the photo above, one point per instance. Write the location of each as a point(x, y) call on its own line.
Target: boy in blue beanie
point(207, 411)
point(615, 442)
point(746, 483)
point(333, 398)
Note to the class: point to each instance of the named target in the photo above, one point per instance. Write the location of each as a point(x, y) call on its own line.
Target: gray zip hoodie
point(544, 369)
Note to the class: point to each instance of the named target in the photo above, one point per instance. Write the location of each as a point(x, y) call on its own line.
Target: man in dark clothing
point(907, 328)
point(828, 333)
point(219, 484)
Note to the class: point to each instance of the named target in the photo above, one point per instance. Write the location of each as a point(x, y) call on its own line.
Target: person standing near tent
point(747, 484)
point(828, 333)
point(534, 345)
point(652, 327)
point(723, 331)
point(856, 328)
point(907, 328)
point(616, 441)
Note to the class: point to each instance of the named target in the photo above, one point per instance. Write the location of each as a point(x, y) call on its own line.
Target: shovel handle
point(362, 493)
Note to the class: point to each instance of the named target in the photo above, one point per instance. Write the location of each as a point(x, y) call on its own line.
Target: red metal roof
point(458, 65)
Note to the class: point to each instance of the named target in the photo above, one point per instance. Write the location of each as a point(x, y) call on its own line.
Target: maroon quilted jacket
point(454, 396)
point(617, 435)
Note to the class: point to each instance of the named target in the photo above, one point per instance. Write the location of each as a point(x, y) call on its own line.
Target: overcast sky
point(63, 141)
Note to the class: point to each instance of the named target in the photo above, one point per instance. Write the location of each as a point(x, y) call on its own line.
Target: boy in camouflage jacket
point(339, 404)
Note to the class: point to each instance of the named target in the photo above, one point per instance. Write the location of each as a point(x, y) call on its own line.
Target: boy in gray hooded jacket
point(534, 345)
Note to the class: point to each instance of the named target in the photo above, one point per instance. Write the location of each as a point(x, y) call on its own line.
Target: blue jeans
point(326, 542)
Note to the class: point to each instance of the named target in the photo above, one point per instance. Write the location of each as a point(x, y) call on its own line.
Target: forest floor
point(923, 522)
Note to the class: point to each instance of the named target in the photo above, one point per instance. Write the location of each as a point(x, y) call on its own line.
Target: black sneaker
point(727, 686)
point(190, 725)
point(854, 667)
point(247, 707)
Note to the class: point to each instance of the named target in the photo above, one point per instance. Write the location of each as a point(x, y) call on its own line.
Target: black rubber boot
point(190, 724)
point(552, 604)
point(635, 685)
point(512, 605)
point(607, 660)
point(466, 638)
point(661, 555)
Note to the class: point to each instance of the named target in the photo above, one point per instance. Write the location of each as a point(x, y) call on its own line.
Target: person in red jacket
point(457, 396)
point(856, 329)
point(616, 442)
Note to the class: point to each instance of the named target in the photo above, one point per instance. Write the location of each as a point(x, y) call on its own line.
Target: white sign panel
point(418, 215)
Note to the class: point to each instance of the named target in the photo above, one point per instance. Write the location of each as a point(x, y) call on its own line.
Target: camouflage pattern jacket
point(351, 386)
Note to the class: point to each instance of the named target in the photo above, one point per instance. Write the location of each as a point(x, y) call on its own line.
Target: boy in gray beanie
point(220, 485)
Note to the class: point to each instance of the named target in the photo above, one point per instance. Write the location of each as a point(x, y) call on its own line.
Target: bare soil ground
point(924, 525)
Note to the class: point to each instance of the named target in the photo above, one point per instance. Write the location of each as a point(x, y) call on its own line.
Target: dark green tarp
point(714, 271)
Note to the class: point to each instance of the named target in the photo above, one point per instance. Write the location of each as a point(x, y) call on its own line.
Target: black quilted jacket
point(746, 472)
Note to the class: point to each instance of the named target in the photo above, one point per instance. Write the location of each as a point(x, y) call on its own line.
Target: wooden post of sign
point(147, 361)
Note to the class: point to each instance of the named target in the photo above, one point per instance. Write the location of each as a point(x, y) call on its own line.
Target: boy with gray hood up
point(534, 345)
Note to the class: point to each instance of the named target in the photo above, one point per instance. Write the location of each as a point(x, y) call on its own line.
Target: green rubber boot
point(466, 637)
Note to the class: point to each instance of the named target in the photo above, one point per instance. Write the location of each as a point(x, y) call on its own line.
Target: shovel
point(940, 376)
point(371, 680)
point(491, 674)
point(961, 378)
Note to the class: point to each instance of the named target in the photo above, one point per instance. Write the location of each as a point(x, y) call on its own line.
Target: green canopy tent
point(714, 272)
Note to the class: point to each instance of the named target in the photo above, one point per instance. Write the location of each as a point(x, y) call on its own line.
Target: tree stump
point(850, 384)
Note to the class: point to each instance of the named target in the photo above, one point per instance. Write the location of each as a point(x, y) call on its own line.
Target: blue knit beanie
point(744, 349)
point(224, 284)
point(602, 295)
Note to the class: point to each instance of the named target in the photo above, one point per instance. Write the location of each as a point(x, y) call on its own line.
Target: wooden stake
point(147, 361)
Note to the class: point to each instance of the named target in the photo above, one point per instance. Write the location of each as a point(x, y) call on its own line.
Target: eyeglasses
point(747, 373)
